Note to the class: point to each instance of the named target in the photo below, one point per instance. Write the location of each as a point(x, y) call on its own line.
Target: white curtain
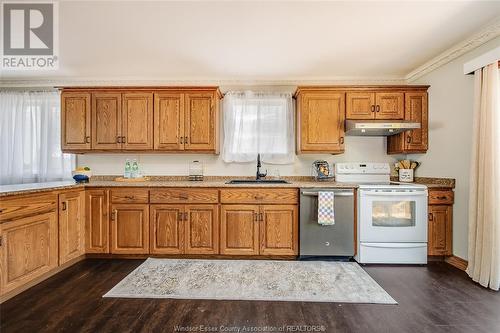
point(484, 196)
point(258, 123)
point(30, 138)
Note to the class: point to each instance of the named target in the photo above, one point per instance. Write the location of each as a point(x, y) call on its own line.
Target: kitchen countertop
point(210, 181)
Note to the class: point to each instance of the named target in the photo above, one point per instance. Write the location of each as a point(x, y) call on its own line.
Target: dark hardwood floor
point(433, 298)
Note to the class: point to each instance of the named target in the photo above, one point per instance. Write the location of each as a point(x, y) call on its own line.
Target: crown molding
point(62, 82)
point(487, 33)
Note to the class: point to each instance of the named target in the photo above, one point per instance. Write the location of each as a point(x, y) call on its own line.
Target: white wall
point(357, 149)
point(450, 135)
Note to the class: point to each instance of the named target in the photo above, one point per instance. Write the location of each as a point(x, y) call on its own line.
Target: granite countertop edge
point(215, 182)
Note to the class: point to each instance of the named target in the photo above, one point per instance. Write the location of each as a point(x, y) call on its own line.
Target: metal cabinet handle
point(372, 108)
point(378, 108)
point(342, 140)
point(123, 139)
point(431, 217)
point(64, 206)
point(255, 217)
point(118, 139)
point(408, 139)
point(129, 197)
point(87, 139)
point(339, 194)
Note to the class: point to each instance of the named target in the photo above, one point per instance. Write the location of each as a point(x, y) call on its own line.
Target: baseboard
point(457, 262)
point(39, 279)
point(185, 256)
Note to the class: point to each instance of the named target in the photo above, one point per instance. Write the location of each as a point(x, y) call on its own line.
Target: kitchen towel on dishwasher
point(326, 211)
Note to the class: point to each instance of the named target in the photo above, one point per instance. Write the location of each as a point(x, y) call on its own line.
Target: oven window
point(393, 214)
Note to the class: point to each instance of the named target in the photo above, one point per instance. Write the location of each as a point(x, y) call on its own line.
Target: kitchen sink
point(255, 181)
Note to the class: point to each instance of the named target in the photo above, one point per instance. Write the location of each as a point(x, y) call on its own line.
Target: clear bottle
point(128, 168)
point(135, 169)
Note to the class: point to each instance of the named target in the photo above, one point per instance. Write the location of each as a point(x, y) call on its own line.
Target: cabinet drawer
point(184, 195)
point(277, 196)
point(28, 205)
point(441, 197)
point(129, 195)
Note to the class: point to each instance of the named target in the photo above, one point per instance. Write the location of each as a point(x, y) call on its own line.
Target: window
point(258, 123)
point(30, 136)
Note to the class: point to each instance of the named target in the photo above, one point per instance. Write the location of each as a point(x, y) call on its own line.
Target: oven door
point(393, 215)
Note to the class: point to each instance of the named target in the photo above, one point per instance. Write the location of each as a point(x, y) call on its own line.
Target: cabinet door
point(29, 249)
point(201, 229)
point(321, 122)
point(75, 121)
point(199, 122)
point(169, 121)
point(416, 111)
point(360, 105)
point(96, 221)
point(167, 229)
point(239, 230)
point(106, 120)
point(137, 121)
point(71, 226)
point(389, 105)
point(279, 230)
point(440, 230)
point(130, 229)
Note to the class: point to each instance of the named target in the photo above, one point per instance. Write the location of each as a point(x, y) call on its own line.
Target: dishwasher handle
point(337, 194)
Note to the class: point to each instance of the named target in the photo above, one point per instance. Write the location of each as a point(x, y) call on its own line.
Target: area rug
point(268, 280)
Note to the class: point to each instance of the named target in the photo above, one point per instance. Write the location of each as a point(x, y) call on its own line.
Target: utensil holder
point(406, 175)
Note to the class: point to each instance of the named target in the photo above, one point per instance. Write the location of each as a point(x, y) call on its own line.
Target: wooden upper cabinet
point(360, 105)
point(167, 229)
point(75, 121)
point(130, 228)
point(239, 230)
point(137, 121)
point(200, 121)
point(389, 105)
point(97, 221)
point(320, 122)
point(414, 141)
point(29, 249)
point(201, 229)
point(71, 226)
point(169, 121)
point(279, 230)
point(106, 120)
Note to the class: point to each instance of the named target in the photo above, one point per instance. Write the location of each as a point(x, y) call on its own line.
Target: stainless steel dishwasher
point(326, 241)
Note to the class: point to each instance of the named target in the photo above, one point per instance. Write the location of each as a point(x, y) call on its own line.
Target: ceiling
point(250, 40)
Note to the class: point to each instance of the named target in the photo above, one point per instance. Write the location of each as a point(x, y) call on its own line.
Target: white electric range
point(392, 216)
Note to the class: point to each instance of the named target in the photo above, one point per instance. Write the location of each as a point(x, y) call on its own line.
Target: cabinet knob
point(87, 139)
point(185, 139)
point(342, 140)
point(372, 108)
point(118, 139)
point(408, 139)
point(182, 141)
point(378, 108)
point(123, 139)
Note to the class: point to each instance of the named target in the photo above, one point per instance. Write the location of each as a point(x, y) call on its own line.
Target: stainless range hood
point(378, 127)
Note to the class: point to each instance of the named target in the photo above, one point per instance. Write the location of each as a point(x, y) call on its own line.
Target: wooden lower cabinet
point(259, 229)
point(167, 229)
point(184, 229)
point(440, 230)
point(130, 229)
point(97, 221)
point(239, 230)
point(279, 230)
point(29, 249)
point(201, 229)
point(71, 225)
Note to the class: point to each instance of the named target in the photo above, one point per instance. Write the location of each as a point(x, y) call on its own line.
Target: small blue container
point(81, 178)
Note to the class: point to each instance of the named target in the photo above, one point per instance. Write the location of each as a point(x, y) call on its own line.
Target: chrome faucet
point(259, 175)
